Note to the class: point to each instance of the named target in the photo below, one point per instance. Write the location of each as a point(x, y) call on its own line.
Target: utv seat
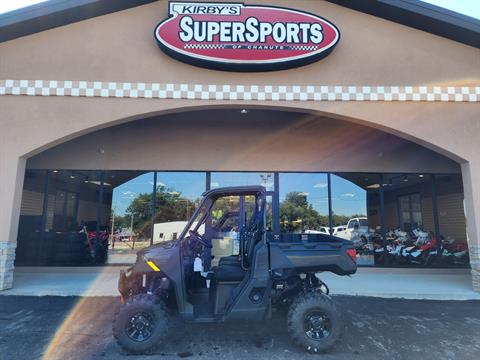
point(229, 272)
point(231, 269)
point(229, 260)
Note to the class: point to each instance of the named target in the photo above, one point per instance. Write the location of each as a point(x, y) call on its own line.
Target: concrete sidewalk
point(433, 284)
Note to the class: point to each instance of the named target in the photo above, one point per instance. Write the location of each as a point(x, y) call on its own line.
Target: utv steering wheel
point(198, 238)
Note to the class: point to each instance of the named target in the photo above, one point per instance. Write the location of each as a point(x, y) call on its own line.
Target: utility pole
point(113, 227)
point(131, 232)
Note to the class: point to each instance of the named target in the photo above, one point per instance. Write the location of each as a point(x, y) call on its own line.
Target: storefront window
point(223, 179)
point(177, 196)
point(303, 205)
point(410, 212)
point(451, 221)
point(356, 213)
point(74, 217)
point(32, 219)
point(410, 219)
point(131, 213)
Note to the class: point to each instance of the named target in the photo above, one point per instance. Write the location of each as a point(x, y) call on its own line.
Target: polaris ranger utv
point(179, 277)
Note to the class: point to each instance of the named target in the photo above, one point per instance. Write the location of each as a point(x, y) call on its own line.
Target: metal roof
point(412, 13)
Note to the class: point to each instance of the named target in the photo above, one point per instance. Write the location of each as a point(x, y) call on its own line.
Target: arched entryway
point(323, 172)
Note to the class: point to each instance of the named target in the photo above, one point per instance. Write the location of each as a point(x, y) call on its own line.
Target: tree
point(170, 206)
point(296, 215)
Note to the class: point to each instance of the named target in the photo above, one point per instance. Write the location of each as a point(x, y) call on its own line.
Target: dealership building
point(361, 118)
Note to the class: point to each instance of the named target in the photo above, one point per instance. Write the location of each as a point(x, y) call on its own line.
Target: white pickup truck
point(356, 231)
point(326, 230)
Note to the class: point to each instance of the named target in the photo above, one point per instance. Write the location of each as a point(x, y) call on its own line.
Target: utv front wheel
point(140, 324)
point(314, 322)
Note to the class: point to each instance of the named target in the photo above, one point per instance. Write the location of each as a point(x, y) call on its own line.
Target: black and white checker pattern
point(303, 48)
point(204, 46)
point(239, 92)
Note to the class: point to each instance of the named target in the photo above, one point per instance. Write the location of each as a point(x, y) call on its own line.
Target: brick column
point(12, 172)
point(471, 187)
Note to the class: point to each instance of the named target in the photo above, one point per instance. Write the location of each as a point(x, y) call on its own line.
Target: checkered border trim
point(303, 48)
point(238, 92)
point(204, 46)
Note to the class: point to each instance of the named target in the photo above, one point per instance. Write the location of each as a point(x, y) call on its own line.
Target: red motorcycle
point(97, 247)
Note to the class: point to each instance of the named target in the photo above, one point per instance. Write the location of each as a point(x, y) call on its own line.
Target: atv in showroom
point(187, 278)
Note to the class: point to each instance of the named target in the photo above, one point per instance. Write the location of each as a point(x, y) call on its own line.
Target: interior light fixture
point(55, 171)
point(244, 111)
point(405, 178)
point(421, 175)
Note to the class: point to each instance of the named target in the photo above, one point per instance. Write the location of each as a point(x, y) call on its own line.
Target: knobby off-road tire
point(140, 324)
point(314, 322)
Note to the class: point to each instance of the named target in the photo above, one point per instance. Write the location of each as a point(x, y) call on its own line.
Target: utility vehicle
point(178, 278)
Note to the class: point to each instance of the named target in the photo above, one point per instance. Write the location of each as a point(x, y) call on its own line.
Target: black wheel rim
point(317, 325)
point(140, 327)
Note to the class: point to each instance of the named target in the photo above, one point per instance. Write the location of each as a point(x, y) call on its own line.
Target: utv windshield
point(197, 223)
point(227, 213)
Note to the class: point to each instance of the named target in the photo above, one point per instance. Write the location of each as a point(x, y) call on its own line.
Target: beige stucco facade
point(119, 47)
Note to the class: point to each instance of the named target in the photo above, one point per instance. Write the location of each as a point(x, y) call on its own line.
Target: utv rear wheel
point(314, 322)
point(140, 324)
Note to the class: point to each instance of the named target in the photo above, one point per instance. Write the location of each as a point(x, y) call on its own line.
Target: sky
point(9, 5)
point(467, 7)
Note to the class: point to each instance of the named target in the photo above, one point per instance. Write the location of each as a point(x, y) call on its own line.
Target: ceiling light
point(99, 183)
point(421, 175)
point(244, 111)
point(405, 178)
point(373, 186)
point(55, 171)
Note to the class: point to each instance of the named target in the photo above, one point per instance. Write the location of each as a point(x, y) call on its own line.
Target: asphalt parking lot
point(80, 328)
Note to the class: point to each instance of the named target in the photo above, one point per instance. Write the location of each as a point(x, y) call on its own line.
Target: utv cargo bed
point(324, 253)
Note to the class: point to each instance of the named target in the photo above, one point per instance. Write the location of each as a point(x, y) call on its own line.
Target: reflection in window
point(65, 214)
point(224, 179)
point(30, 228)
point(303, 204)
point(131, 204)
point(177, 196)
point(356, 213)
point(410, 212)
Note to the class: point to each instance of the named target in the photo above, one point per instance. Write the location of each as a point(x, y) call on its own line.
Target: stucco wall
point(228, 140)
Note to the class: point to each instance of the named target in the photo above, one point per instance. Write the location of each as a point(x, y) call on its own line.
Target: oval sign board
point(238, 37)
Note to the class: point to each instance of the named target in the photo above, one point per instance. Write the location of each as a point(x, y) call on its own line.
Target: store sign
point(238, 37)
